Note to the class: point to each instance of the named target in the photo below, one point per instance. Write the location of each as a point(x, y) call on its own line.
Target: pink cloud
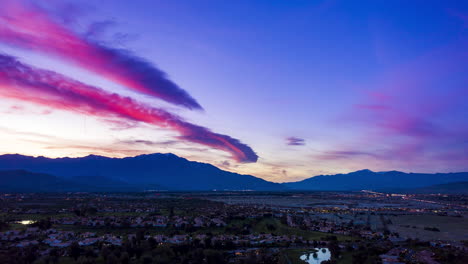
point(295, 141)
point(24, 25)
point(413, 114)
point(47, 88)
point(21, 109)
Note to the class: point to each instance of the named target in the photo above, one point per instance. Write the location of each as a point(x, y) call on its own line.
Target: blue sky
point(368, 84)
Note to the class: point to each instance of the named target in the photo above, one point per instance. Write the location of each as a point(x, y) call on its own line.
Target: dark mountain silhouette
point(369, 180)
point(447, 188)
point(170, 172)
point(153, 171)
point(25, 181)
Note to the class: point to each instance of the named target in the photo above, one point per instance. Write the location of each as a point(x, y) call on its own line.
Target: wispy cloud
point(25, 25)
point(21, 109)
point(104, 150)
point(411, 115)
point(348, 154)
point(26, 83)
point(295, 141)
point(147, 142)
point(10, 131)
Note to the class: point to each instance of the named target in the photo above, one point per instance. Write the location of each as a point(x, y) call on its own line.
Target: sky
point(282, 90)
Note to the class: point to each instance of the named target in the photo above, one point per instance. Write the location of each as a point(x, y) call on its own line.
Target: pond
point(26, 222)
point(316, 256)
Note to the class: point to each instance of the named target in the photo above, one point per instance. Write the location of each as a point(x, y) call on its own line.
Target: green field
point(412, 226)
point(292, 256)
point(281, 229)
point(255, 226)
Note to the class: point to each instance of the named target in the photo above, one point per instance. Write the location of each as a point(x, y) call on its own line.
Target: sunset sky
point(282, 90)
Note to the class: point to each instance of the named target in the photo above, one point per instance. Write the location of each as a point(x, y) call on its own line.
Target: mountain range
point(144, 172)
point(370, 180)
point(25, 181)
point(446, 188)
point(20, 173)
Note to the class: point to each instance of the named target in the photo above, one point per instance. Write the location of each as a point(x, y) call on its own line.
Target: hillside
point(369, 180)
point(447, 188)
point(167, 170)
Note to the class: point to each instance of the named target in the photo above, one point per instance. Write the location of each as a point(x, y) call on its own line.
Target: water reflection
point(26, 222)
point(317, 256)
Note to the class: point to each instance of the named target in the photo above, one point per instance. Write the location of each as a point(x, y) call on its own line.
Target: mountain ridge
point(26, 181)
point(168, 170)
point(367, 179)
point(171, 172)
point(445, 188)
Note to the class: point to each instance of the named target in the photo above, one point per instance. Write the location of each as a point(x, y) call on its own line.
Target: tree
point(31, 255)
point(171, 211)
point(74, 251)
point(85, 260)
point(147, 259)
point(53, 256)
point(124, 258)
point(207, 242)
point(3, 225)
point(105, 251)
point(43, 224)
point(213, 256)
point(111, 259)
point(152, 242)
point(140, 235)
point(271, 227)
point(334, 248)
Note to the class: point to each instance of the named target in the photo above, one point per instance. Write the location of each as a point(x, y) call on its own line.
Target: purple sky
point(283, 90)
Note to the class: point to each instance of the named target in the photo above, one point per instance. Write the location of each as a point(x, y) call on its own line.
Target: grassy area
point(68, 260)
point(101, 230)
point(17, 227)
point(293, 255)
point(412, 226)
point(346, 258)
point(281, 229)
point(235, 226)
point(266, 225)
point(34, 217)
point(104, 214)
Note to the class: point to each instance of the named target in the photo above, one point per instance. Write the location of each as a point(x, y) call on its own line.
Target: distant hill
point(25, 181)
point(170, 172)
point(369, 180)
point(151, 171)
point(447, 188)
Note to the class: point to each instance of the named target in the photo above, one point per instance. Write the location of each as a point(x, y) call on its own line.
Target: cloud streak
point(347, 154)
point(147, 142)
point(27, 26)
point(295, 141)
point(413, 115)
point(26, 83)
